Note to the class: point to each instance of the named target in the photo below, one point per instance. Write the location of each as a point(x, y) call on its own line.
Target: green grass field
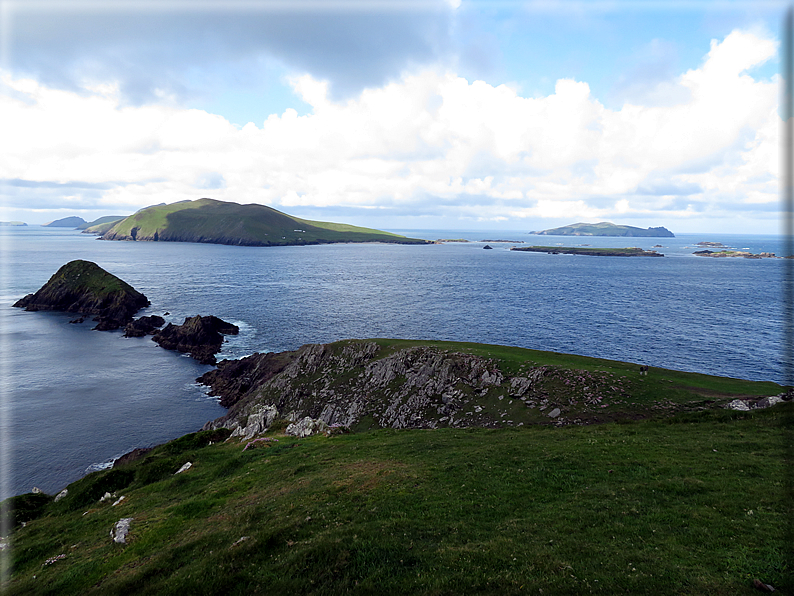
point(693, 504)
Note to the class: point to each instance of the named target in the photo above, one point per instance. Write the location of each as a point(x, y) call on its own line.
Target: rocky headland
point(359, 384)
point(201, 337)
point(84, 287)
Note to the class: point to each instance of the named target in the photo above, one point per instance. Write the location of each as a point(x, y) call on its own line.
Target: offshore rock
point(144, 326)
point(84, 287)
point(201, 337)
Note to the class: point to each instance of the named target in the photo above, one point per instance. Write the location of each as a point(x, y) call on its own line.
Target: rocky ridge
point(358, 384)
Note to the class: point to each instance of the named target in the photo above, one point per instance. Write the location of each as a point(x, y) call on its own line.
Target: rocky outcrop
point(744, 405)
point(144, 326)
point(358, 384)
point(306, 427)
point(84, 287)
point(201, 337)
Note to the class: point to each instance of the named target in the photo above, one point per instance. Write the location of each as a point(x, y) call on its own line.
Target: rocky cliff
point(360, 384)
point(84, 287)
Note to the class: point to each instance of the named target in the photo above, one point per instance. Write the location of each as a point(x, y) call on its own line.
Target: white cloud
point(469, 147)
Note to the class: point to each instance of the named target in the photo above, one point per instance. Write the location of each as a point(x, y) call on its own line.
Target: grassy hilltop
point(219, 222)
point(691, 501)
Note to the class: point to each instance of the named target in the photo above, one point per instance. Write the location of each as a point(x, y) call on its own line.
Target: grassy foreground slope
point(689, 503)
point(220, 222)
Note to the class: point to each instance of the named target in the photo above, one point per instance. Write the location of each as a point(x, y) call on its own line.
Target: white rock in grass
point(61, 494)
point(184, 468)
point(738, 404)
point(120, 530)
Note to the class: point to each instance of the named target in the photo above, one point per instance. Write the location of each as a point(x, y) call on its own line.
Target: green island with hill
point(565, 475)
point(606, 228)
point(590, 251)
point(221, 222)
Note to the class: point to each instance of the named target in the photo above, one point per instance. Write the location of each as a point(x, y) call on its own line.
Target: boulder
point(120, 530)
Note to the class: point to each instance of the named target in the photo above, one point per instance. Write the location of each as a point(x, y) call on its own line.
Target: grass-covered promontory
point(220, 222)
point(692, 501)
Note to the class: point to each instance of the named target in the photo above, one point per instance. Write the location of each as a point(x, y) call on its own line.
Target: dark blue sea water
point(73, 399)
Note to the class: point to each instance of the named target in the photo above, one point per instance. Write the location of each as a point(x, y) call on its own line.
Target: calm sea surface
point(74, 399)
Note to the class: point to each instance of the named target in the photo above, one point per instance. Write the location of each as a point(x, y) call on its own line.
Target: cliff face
point(361, 385)
point(84, 287)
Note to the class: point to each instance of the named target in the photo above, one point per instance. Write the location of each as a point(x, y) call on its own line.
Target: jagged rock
point(199, 336)
point(37, 491)
point(144, 326)
point(306, 427)
point(84, 287)
point(61, 495)
point(120, 530)
point(258, 422)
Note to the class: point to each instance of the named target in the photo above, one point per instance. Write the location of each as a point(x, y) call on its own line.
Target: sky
point(398, 115)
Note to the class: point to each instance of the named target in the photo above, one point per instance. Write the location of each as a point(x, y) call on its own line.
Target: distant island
point(12, 223)
point(590, 251)
point(735, 253)
point(66, 222)
point(220, 222)
point(606, 228)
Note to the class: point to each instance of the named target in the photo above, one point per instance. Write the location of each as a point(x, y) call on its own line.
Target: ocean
point(74, 399)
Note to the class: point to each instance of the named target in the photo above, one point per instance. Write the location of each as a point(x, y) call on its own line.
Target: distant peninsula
point(12, 223)
point(220, 222)
point(101, 225)
point(66, 222)
point(606, 228)
point(590, 251)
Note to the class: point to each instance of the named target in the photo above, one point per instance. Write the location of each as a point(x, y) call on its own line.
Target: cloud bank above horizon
point(417, 146)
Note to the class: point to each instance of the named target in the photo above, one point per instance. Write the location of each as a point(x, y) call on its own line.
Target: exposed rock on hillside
point(199, 336)
point(360, 385)
point(84, 287)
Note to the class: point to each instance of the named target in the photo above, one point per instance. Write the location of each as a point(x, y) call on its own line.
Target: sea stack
point(84, 287)
point(201, 337)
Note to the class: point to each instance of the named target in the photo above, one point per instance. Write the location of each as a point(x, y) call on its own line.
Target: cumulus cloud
point(430, 143)
point(154, 50)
